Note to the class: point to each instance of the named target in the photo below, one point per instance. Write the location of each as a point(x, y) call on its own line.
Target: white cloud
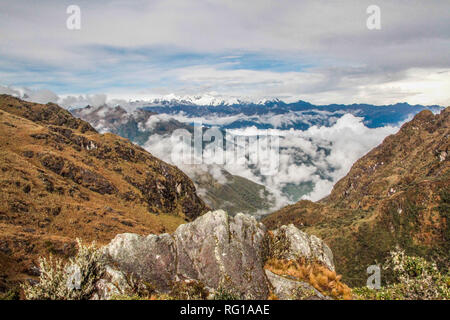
point(152, 121)
point(301, 156)
point(94, 100)
point(45, 96)
point(196, 47)
point(10, 91)
point(38, 96)
point(41, 96)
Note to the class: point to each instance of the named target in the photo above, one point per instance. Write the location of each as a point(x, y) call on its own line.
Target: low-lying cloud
point(320, 155)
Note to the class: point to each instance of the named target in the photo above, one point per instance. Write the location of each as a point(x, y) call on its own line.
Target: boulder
point(215, 249)
point(289, 243)
point(152, 258)
point(221, 250)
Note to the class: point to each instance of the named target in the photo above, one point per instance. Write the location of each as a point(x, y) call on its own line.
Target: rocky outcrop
point(289, 243)
point(223, 250)
point(152, 258)
point(79, 175)
point(219, 251)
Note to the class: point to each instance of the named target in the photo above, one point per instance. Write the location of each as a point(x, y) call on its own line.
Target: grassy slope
point(60, 179)
point(237, 194)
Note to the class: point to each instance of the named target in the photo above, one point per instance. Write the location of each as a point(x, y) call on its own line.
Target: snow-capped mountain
point(204, 100)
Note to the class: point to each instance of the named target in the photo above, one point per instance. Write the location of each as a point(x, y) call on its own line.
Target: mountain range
point(310, 142)
point(241, 112)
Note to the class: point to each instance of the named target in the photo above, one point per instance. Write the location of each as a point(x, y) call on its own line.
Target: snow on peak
point(198, 100)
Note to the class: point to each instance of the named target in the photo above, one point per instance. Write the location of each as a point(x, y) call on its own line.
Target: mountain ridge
point(61, 180)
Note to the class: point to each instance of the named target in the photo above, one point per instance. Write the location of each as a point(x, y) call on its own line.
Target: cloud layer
point(318, 156)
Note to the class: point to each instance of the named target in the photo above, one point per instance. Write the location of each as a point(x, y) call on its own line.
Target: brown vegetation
point(60, 179)
point(320, 277)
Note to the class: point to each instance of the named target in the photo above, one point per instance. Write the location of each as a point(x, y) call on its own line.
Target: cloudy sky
point(319, 51)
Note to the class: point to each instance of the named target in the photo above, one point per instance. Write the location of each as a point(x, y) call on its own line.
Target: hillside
point(60, 179)
point(231, 193)
point(397, 194)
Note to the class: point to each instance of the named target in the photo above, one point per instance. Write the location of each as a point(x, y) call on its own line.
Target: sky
point(317, 51)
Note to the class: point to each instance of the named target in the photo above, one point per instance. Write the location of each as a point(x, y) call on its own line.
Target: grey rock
point(151, 258)
point(292, 244)
point(221, 250)
point(218, 250)
point(113, 284)
point(290, 289)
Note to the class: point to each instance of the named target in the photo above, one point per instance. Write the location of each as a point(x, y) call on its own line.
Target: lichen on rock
point(288, 242)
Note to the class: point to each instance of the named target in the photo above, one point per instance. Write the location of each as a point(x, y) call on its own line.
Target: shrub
point(223, 293)
point(74, 280)
point(188, 290)
point(415, 279)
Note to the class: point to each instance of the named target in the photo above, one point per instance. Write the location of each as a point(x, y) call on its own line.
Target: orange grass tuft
point(320, 277)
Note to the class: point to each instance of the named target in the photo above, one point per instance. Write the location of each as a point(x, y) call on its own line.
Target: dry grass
point(272, 296)
point(320, 277)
